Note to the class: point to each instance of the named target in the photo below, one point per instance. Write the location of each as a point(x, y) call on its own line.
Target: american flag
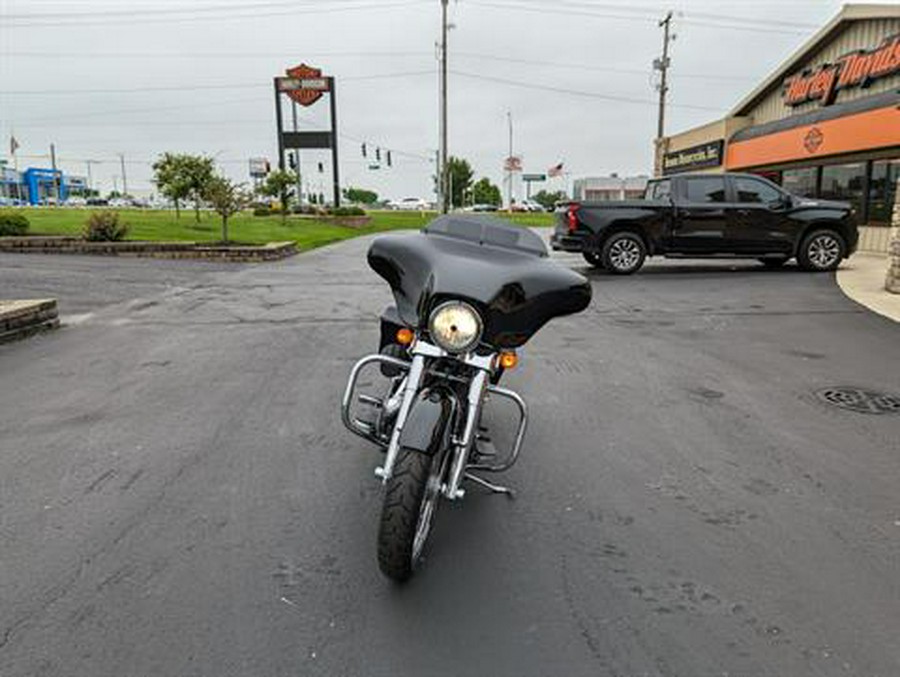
point(553, 172)
point(13, 145)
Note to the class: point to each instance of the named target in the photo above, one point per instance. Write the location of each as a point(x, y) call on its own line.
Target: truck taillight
point(572, 218)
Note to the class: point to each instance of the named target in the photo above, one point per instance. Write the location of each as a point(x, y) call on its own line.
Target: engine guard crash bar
point(513, 455)
point(363, 428)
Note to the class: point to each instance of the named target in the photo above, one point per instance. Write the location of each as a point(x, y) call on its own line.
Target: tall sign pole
point(279, 125)
point(334, 144)
point(445, 196)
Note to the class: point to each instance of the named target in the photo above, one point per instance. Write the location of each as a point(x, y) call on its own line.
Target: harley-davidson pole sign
point(305, 85)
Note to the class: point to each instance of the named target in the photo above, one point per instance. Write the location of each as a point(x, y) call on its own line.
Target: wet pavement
point(178, 496)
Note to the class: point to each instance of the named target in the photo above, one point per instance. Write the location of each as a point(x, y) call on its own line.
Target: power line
point(203, 9)
point(240, 13)
point(197, 88)
point(558, 10)
point(574, 92)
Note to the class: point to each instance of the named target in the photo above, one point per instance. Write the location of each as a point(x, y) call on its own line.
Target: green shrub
point(262, 211)
point(347, 211)
point(104, 227)
point(12, 223)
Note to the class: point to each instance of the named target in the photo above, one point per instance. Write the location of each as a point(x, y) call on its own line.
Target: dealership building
point(825, 124)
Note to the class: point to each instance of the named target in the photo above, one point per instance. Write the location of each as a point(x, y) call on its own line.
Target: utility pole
point(90, 180)
point(124, 177)
point(56, 185)
point(662, 65)
point(509, 173)
point(443, 167)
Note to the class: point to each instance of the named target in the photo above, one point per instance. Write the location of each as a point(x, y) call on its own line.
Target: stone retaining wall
point(19, 319)
point(160, 250)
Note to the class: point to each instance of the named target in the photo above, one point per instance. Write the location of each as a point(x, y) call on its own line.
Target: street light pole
point(445, 197)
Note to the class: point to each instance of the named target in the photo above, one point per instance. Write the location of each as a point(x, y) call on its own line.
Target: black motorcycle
point(469, 291)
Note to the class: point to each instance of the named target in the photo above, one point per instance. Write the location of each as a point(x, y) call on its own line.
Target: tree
point(180, 176)
point(361, 195)
point(171, 179)
point(486, 193)
point(226, 198)
point(280, 184)
point(198, 172)
point(460, 179)
point(549, 200)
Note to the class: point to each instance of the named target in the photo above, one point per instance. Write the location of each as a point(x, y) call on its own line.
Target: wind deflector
point(485, 230)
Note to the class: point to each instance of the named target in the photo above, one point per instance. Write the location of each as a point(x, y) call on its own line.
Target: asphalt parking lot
point(178, 496)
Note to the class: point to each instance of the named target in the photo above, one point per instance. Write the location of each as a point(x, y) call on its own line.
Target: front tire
point(410, 501)
point(624, 253)
point(821, 251)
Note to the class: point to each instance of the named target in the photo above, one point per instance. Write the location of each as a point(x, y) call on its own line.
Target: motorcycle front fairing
point(501, 269)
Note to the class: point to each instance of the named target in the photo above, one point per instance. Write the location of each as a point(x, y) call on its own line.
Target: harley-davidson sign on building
point(825, 124)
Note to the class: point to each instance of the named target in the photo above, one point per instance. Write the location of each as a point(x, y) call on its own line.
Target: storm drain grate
point(860, 400)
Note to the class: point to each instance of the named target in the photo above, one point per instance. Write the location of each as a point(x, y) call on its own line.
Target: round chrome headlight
point(455, 326)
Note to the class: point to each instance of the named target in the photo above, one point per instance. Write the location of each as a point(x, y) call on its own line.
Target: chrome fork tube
point(413, 379)
point(464, 444)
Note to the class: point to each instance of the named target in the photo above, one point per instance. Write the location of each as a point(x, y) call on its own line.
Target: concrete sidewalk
point(861, 277)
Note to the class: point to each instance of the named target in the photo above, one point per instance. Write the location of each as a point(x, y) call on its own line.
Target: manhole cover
point(860, 400)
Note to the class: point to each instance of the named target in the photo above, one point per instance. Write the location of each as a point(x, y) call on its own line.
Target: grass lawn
point(161, 225)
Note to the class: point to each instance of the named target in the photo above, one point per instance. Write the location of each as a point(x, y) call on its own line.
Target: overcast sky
point(101, 78)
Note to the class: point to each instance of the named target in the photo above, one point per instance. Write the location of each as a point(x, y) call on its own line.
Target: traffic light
point(364, 153)
point(389, 158)
point(321, 168)
point(378, 154)
point(292, 160)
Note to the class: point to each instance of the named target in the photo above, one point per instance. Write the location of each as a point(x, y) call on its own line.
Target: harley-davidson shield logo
point(306, 96)
point(813, 140)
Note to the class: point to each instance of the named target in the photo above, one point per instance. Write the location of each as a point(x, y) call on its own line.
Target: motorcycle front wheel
point(410, 502)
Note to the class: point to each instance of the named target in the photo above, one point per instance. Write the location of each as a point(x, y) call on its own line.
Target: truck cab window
point(751, 190)
point(702, 189)
point(660, 190)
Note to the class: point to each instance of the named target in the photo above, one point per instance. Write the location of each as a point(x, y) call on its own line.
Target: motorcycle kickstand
point(494, 488)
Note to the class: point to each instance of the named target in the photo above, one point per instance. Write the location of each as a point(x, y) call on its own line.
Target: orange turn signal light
point(405, 336)
point(508, 360)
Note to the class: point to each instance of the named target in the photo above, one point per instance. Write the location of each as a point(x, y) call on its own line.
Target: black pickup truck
point(708, 215)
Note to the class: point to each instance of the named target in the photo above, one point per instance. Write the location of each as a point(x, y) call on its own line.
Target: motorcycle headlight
point(455, 326)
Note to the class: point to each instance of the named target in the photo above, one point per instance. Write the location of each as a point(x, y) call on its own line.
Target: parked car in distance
point(481, 208)
point(410, 204)
point(708, 215)
point(97, 202)
point(76, 201)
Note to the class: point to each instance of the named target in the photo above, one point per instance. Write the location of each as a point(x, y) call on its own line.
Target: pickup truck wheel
point(821, 250)
point(623, 253)
point(774, 261)
point(593, 258)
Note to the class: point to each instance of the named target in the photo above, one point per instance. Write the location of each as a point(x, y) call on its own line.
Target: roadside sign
point(304, 84)
point(259, 167)
point(512, 164)
point(534, 177)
